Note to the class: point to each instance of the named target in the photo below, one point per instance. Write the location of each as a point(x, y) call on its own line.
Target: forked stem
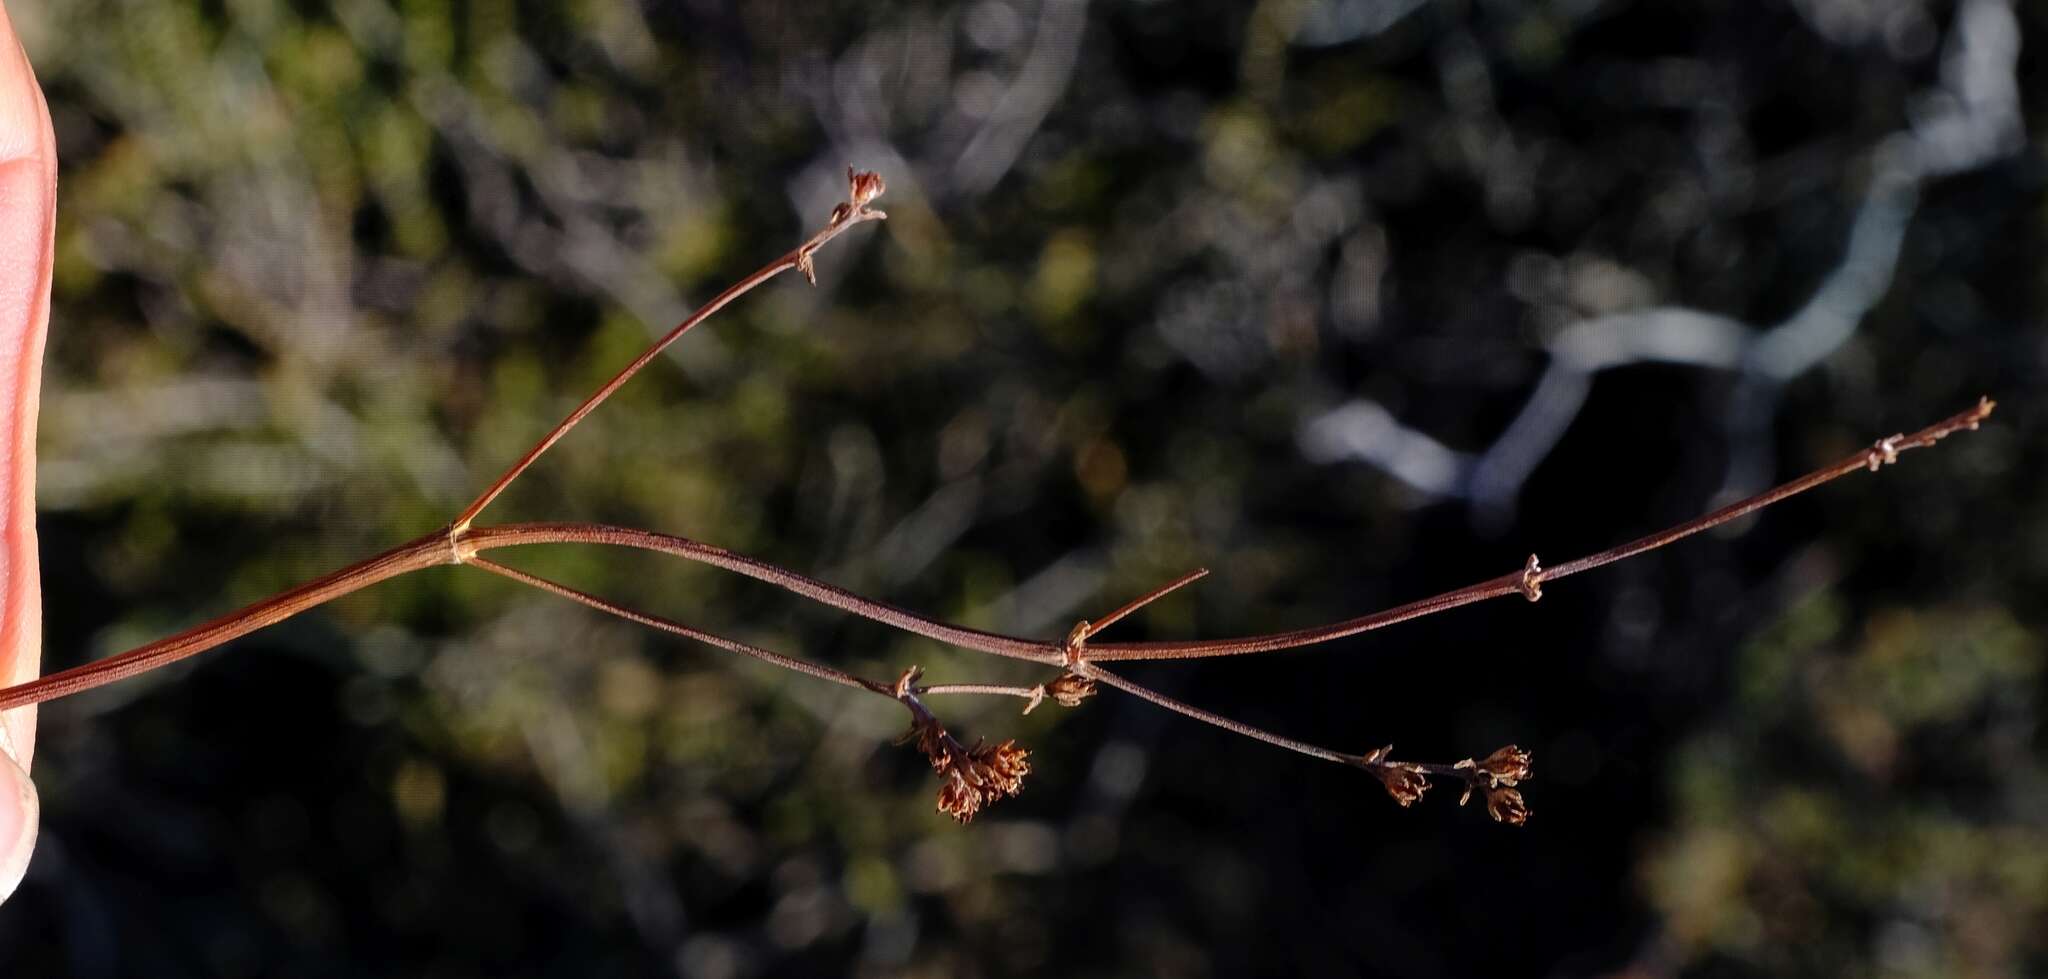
point(975, 776)
point(846, 216)
point(453, 546)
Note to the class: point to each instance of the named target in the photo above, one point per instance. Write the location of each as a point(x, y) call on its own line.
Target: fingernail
point(19, 809)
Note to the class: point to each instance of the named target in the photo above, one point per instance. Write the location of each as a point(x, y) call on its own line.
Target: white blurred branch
point(1972, 120)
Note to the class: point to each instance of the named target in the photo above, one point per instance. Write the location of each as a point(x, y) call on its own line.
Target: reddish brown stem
point(452, 545)
point(425, 552)
point(1091, 628)
point(1526, 582)
point(514, 535)
point(770, 657)
point(797, 258)
point(986, 689)
point(1208, 717)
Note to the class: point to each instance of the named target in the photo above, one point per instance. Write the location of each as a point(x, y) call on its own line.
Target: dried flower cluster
point(971, 778)
point(1404, 781)
point(862, 187)
point(1500, 772)
point(1496, 775)
point(1068, 690)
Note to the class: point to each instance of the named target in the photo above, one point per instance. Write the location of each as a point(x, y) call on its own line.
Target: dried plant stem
point(454, 546)
point(425, 552)
point(797, 258)
point(1526, 582)
point(973, 777)
point(770, 657)
point(1208, 717)
point(1086, 629)
point(1884, 452)
point(514, 535)
point(991, 689)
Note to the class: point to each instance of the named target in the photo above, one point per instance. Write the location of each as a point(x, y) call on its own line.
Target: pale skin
point(28, 208)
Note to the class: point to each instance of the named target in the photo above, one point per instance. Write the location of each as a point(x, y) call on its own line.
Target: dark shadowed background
point(1350, 301)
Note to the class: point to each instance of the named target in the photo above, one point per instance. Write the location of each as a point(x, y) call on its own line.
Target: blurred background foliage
point(1350, 301)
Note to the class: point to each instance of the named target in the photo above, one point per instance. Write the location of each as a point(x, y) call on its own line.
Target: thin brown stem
point(453, 545)
point(425, 552)
point(515, 535)
point(990, 689)
point(1209, 717)
point(1146, 599)
point(797, 258)
point(770, 657)
point(1526, 582)
point(1405, 781)
point(1885, 451)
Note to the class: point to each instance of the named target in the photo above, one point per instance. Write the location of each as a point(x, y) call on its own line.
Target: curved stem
point(516, 535)
point(770, 657)
point(1526, 582)
point(1886, 451)
point(989, 689)
point(797, 258)
point(1209, 717)
point(456, 545)
point(424, 552)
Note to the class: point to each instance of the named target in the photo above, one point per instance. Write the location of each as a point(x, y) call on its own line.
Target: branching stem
point(976, 776)
point(1208, 717)
point(797, 258)
point(770, 657)
point(452, 546)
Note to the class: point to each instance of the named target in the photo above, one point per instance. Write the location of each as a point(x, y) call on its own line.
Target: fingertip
point(20, 811)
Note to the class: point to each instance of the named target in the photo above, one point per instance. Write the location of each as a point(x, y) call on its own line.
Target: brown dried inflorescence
point(972, 778)
point(1508, 765)
point(1405, 782)
point(981, 776)
point(863, 186)
point(1506, 806)
point(1497, 775)
point(1070, 689)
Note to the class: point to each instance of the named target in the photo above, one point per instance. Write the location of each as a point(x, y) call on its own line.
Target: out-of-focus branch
point(1978, 122)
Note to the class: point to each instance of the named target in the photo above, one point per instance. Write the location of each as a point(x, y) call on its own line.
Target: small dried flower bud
point(1507, 766)
point(970, 780)
point(1532, 579)
point(908, 681)
point(1003, 766)
point(863, 186)
point(1076, 643)
point(958, 799)
point(1405, 784)
point(1070, 689)
point(1506, 806)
